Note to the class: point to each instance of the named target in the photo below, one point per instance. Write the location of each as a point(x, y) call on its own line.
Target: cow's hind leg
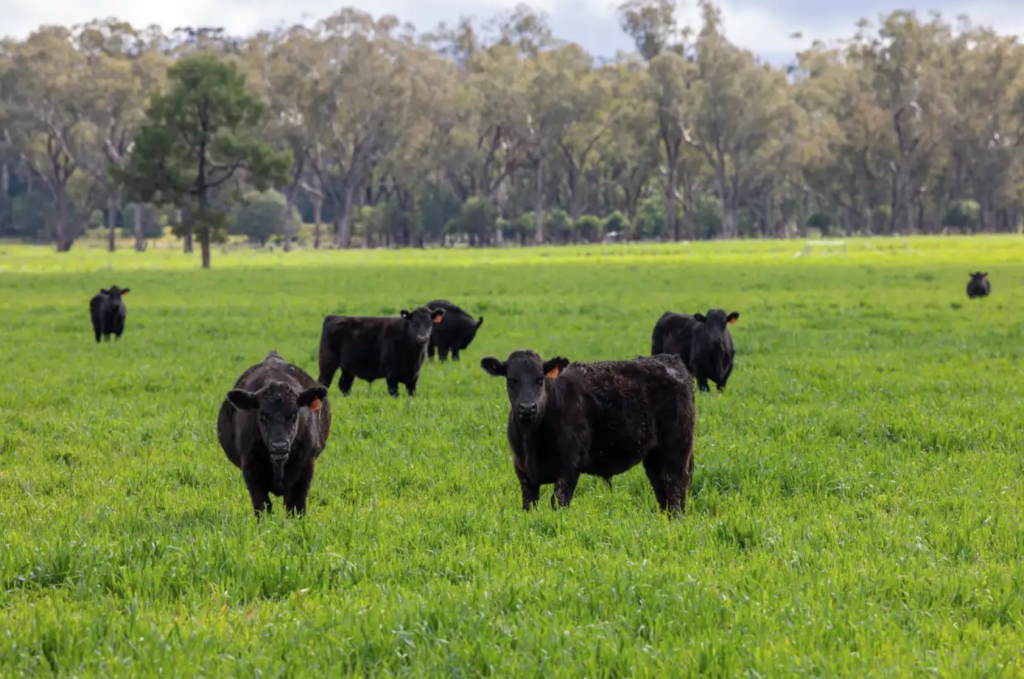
point(345, 383)
point(652, 466)
point(410, 386)
point(670, 470)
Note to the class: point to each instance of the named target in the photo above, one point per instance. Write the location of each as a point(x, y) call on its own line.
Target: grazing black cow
point(703, 342)
point(273, 425)
point(454, 333)
point(370, 348)
point(600, 419)
point(108, 313)
point(978, 286)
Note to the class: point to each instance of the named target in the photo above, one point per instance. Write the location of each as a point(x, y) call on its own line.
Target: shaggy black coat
point(273, 426)
point(704, 343)
point(108, 313)
point(454, 333)
point(372, 348)
point(978, 286)
point(600, 419)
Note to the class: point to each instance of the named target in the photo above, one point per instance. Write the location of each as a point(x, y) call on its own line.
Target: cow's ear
point(437, 314)
point(125, 291)
point(104, 292)
point(404, 313)
point(494, 367)
point(553, 367)
point(732, 317)
point(243, 400)
point(479, 322)
point(701, 318)
point(309, 396)
point(985, 275)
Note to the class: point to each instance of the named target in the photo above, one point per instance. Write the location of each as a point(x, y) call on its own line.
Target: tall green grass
point(856, 507)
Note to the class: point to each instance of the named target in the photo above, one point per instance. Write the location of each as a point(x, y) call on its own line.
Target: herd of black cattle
point(565, 419)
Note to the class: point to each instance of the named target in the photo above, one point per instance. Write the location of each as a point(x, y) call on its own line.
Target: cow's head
point(715, 322)
point(115, 292)
point(978, 277)
point(420, 322)
point(525, 374)
point(277, 415)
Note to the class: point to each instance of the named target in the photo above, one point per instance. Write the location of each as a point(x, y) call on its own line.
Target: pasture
point(856, 507)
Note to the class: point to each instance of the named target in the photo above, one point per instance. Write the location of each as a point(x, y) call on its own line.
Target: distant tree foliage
point(503, 134)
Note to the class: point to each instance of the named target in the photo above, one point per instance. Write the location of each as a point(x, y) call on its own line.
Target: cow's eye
point(263, 417)
point(513, 381)
point(540, 380)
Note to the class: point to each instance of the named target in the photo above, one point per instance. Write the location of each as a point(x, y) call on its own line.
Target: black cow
point(703, 342)
point(454, 333)
point(273, 426)
point(108, 313)
point(600, 419)
point(370, 348)
point(978, 286)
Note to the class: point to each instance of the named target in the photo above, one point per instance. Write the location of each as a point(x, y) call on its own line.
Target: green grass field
point(856, 509)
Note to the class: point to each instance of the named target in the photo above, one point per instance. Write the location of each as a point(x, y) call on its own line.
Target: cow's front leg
point(531, 491)
point(565, 486)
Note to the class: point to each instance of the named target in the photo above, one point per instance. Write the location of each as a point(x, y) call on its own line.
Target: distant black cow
point(600, 419)
point(978, 286)
point(273, 425)
point(454, 333)
point(370, 348)
point(703, 342)
point(108, 313)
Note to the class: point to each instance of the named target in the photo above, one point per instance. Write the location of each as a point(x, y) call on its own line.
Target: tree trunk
point(5, 195)
point(337, 229)
point(179, 218)
point(670, 204)
point(729, 222)
point(140, 240)
point(343, 219)
point(723, 201)
point(538, 205)
point(112, 224)
point(62, 242)
point(345, 230)
point(318, 204)
point(204, 242)
point(289, 196)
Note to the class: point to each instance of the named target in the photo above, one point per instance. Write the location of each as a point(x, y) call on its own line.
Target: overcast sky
point(763, 26)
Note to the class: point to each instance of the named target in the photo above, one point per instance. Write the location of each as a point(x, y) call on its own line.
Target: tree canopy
point(501, 132)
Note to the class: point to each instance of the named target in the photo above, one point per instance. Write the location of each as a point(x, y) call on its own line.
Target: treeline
point(502, 133)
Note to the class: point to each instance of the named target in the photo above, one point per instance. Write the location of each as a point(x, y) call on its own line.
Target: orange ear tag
point(732, 322)
point(315, 407)
point(553, 373)
point(437, 319)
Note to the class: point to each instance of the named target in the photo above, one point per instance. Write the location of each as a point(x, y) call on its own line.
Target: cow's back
point(628, 406)
point(675, 334)
point(358, 342)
